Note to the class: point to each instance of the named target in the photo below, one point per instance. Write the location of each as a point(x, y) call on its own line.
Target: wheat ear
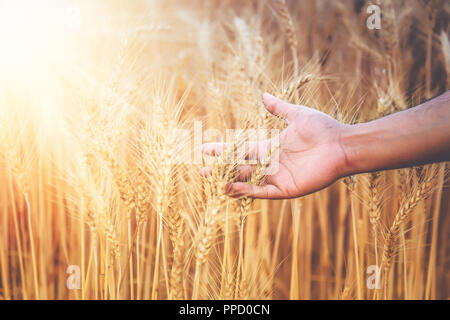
point(422, 192)
point(283, 11)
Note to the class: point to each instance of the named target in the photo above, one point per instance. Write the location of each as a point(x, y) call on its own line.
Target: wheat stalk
point(283, 11)
point(407, 206)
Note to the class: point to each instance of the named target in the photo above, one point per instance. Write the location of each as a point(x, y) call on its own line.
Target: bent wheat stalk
point(422, 192)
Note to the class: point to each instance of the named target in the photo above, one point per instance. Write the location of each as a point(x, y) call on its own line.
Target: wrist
point(352, 140)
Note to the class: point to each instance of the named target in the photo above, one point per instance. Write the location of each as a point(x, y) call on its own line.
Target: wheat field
point(101, 105)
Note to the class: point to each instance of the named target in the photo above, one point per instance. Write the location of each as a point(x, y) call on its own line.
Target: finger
point(267, 191)
point(278, 107)
point(205, 172)
point(249, 150)
point(213, 148)
point(244, 172)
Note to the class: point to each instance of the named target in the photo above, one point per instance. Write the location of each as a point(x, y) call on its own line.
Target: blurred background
point(93, 204)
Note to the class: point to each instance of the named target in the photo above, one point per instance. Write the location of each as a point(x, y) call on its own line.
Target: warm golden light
point(96, 97)
point(27, 31)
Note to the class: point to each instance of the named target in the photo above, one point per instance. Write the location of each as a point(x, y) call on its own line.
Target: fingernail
point(268, 98)
point(267, 95)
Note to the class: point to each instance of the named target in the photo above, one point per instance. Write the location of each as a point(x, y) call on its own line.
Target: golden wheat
point(100, 162)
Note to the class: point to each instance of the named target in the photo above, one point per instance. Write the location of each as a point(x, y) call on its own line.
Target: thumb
point(278, 107)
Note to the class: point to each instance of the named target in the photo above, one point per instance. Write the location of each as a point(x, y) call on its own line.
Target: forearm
point(416, 136)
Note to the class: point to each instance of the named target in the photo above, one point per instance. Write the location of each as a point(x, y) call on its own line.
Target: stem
point(196, 281)
point(130, 261)
point(429, 48)
point(240, 258)
point(33, 253)
point(130, 249)
point(355, 245)
point(225, 255)
point(156, 271)
point(138, 265)
point(295, 58)
point(293, 293)
point(86, 280)
point(19, 242)
point(431, 277)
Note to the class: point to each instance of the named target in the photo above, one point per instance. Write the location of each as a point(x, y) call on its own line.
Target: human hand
point(310, 156)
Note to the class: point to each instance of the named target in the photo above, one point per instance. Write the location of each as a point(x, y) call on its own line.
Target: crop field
point(105, 105)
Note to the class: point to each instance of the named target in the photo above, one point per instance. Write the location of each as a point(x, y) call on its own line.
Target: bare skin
point(316, 149)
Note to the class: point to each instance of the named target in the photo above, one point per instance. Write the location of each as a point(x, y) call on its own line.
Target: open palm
point(310, 154)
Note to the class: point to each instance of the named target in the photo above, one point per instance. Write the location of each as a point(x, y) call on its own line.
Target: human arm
point(316, 149)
